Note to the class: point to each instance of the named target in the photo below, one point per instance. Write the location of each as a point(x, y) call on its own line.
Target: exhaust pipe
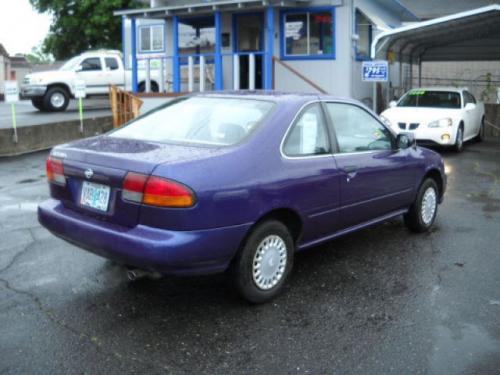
point(135, 274)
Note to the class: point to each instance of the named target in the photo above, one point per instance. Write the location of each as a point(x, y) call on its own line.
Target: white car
point(443, 116)
point(52, 90)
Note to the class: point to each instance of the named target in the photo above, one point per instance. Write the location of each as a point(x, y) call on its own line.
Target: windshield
point(430, 99)
point(70, 64)
point(199, 120)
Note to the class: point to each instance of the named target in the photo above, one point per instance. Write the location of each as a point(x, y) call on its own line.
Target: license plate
point(95, 196)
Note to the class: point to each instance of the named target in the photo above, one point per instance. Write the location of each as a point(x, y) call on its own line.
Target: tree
point(80, 25)
point(37, 56)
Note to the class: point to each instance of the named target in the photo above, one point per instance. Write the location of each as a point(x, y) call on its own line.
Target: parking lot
point(379, 301)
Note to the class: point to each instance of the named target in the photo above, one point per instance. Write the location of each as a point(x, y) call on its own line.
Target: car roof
point(278, 96)
point(441, 88)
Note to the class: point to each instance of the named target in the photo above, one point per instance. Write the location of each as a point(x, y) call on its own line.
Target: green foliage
point(80, 25)
point(37, 56)
point(490, 90)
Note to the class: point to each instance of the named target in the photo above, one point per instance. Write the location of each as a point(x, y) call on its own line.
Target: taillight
point(156, 191)
point(55, 171)
point(133, 187)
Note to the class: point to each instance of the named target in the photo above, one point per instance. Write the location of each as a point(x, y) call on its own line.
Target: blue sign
point(375, 71)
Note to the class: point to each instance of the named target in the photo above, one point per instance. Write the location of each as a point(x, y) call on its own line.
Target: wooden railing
point(124, 106)
point(297, 73)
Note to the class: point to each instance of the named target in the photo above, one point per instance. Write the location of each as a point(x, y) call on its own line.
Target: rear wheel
point(154, 87)
point(56, 99)
point(264, 262)
point(422, 213)
point(459, 140)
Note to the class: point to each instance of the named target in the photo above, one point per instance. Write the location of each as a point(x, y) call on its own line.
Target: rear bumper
point(152, 249)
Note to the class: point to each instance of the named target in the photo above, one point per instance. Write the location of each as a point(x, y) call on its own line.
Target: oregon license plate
point(95, 196)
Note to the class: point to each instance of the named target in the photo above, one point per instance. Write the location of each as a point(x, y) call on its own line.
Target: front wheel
point(38, 104)
point(264, 262)
point(459, 140)
point(482, 129)
point(423, 211)
point(56, 99)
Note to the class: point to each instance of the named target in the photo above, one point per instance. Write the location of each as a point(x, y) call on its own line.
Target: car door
point(311, 175)
point(113, 74)
point(91, 71)
point(377, 179)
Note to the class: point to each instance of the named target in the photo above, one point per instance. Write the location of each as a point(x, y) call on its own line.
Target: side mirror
point(79, 68)
point(393, 104)
point(405, 140)
point(470, 106)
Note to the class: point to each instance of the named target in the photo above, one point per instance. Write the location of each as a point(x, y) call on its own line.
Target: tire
point(261, 280)
point(459, 139)
point(480, 135)
point(154, 87)
point(421, 216)
point(38, 104)
point(56, 99)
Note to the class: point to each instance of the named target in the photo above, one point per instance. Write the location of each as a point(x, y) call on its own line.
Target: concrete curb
point(41, 137)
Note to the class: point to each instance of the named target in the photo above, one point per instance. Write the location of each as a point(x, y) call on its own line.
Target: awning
point(467, 36)
point(207, 7)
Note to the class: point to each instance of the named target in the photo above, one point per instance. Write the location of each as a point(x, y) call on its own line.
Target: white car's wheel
point(459, 140)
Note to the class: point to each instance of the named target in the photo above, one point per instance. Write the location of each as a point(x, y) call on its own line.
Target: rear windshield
point(198, 120)
point(431, 99)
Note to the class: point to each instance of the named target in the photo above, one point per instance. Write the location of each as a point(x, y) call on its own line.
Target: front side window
point(469, 98)
point(357, 130)
point(308, 34)
point(199, 120)
point(151, 38)
point(431, 99)
point(308, 135)
point(91, 64)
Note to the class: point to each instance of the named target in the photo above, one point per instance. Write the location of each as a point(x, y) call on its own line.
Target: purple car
point(237, 182)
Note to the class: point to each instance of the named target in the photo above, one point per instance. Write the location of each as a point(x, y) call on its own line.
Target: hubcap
point(269, 262)
point(57, 100)
point(429, 202)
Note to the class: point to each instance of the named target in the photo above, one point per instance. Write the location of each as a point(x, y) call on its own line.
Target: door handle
point(351, 171)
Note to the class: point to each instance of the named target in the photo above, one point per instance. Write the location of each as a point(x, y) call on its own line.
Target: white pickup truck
point(51, 91)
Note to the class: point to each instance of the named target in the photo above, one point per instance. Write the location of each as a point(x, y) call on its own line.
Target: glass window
point(197, 35)
point(91, 64)
point(151, 38)
point(111, 63)
point(357, 130)
point(364, 32)
point(199, 120)
point(469, 98)
point(430, 99)
point(308, 33)
point(308, 135)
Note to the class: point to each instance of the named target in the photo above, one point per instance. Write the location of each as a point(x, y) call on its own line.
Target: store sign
point(375, 71)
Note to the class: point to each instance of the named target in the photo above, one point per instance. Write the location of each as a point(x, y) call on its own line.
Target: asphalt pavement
point(380, 301)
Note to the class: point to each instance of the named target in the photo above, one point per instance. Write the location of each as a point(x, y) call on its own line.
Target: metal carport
point(467, 36)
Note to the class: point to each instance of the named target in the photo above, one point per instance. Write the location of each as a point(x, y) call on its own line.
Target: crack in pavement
point(20, 253)
point(93, 340)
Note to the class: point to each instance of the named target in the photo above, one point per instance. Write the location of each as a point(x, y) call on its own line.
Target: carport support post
point(419, 72)
point(218, 51)
point(268, 57)
point(374, 97)
point(133, 43)
point(176, 74)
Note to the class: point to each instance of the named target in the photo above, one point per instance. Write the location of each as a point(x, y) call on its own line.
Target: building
point(20, 67)
point(299, 45)
point(4, 68)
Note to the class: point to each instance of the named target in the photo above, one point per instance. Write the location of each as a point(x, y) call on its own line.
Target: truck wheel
point(154, 87)
point(38, 104)
point(56, 99)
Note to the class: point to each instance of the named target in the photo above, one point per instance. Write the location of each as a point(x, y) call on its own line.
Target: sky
point(21, 27)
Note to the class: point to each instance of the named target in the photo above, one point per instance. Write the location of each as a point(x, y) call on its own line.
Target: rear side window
point(91, 64)
point(357, 130)
point(199, 120)
point(308, 135)
point(111, 63)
